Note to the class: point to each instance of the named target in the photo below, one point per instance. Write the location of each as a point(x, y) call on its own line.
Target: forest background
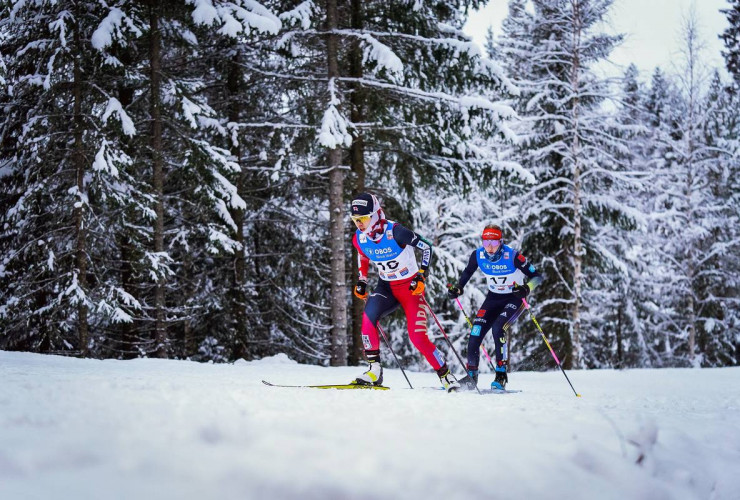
point(175, 177)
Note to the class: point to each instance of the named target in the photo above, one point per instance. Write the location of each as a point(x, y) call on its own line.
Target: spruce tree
point(65, 180)
point(568, 148)
point(731, 40)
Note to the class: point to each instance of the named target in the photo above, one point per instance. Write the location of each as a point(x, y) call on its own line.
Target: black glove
point(453, 291)
point(520, 291)
point(417, 284)
point(361, 290)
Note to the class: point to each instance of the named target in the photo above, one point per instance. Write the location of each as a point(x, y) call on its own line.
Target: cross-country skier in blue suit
point(510, 279)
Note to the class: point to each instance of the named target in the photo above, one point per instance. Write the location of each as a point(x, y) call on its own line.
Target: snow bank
point(88, 429)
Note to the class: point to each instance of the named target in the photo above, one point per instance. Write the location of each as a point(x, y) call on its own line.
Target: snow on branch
point(230, 192)
point(101, 162)
point(501, 110)
point(236, 16)
point(300, 15)
point(334, 127)
point(382, 55)
point(114, 106)
point(492, 68)
point(189, 111)
point(110, 28)
point(159, 262)
point(608, 203)
point(60, 25)
point(75, 292)
point(467, 47)
point(218, 241)
point(118, 295)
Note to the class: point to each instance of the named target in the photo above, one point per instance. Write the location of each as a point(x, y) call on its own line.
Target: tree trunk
point(239, 346)
point(336, 214)
point(79, 212)
point(127, 340)
point(128, 332)
point(690, 248)
point(620, 314)
point(357, 164)
point(160, 328)
point(577, 210)
point(690, 152)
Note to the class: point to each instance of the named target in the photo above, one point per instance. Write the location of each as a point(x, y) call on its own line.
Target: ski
point(500, 391)
point(482, 391)
point(331, 386)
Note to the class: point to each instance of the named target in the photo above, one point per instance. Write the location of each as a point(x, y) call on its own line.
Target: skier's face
point(491, 246)
point(361, 221)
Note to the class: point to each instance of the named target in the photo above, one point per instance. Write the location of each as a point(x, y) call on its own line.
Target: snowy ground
point(86, 429)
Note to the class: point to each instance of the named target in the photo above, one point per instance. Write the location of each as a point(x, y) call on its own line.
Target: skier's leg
point(506, 317)
point(501, 322)
point(481, 324)
point(380, 303)
point(416, 323)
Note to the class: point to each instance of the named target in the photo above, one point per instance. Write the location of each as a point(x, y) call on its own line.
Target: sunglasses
point(362, 219)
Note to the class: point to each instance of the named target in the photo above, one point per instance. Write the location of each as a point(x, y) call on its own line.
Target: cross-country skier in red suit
point(390, 246)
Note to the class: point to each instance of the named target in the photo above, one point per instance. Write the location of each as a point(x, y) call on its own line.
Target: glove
point(417, 284)
point(520, 291)
point(453, 291)
point(361, 290)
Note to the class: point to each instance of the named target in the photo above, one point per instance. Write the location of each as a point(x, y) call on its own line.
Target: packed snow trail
point(89, 429)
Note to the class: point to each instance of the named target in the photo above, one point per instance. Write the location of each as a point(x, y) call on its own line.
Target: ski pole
point(482, 347)
point(534, 320)
point(439, 325)
point(382, 333)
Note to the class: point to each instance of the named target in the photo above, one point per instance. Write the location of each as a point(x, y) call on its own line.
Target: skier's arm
point(534, 277)
point(468, 271)
point(363, 263)
point(405, 236)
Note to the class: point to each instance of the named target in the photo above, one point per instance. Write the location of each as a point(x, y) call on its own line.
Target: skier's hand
point(361, 290)
point(417, 284)
point(453, 291)
point(520, 291)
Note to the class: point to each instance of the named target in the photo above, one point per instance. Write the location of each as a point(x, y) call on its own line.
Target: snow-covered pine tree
point(268, 307)
point(569, 147)
point(617, 289)
point(663, 107)
point(186, 171)
point(253, 311)
point(731, 40)
point(64, 180)
point(689, 216)
point(718, 330)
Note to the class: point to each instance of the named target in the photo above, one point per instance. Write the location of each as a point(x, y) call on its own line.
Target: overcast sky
point(652, 29)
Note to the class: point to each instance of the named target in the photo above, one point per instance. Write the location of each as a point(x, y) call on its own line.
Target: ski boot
point(373, 375)
point(448, 380)
point(470, 381)
point(502, 378)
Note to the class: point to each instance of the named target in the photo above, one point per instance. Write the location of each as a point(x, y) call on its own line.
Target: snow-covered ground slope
point(86, 429)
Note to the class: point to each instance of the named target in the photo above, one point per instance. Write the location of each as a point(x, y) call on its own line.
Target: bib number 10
point(390, 265)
